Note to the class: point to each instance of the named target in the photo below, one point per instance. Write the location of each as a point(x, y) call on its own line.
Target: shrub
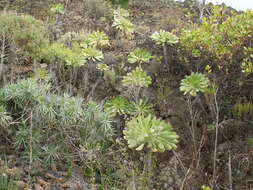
point(23, 94)
point(216, 38)
point(59, 52)
point(27, 33)
point(5, 117)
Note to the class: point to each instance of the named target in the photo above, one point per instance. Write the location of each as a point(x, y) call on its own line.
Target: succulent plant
point(97, 39)
point(194, 83)
point(121, 21)
point(137, 78)
point(139, 56)
point(117, 105)
point(163, 37)
point(92, 54)
point(141, 108)
point(155, 134)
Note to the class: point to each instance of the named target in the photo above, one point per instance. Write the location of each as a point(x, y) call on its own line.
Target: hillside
point(125, 95)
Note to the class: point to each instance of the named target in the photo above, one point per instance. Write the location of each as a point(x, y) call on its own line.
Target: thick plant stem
point(165, 57)
point(30, 143)
point(230, 171)
point(148, 167)
point(2, 55)
point(192, 130)
point(216, 137)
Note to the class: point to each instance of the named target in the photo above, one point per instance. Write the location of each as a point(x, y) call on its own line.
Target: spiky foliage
point(5, 117)
point(22, 137)
point(194, 83)
point(51, 153)
point(23, 94)
point(117, 105)
point(137, 78)
point(155, 134)
point(141, 108)
point(163, 37)
point(243, 109)
point(139, 56)
point(97, 126)
point(7, 184)
point(97, 39)
point(92, 54)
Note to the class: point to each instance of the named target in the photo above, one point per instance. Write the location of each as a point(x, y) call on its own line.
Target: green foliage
point(163, 37)
point(141, 108)
point(250, 141)
point(51, 153)
point(247, 63)
point(122, 22)
point(26, 32)
point(122, 3)
point(118, 105)
point(217, 38)
point(97, 39)
point(97, 126)
point(22, 137)
point(194, 83)
point(92, 54)
point(204, 187)
point(57, 8)
point(23, 94)
point(139, 56)
point(151, 132)
point(243, 109)
point(59, 52)
point(103, 67)
point(5, 117)
point(7, 184)
point(137, 78)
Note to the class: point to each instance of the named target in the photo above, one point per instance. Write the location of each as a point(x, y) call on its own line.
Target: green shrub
point(216, 38)
point(5, 117)
point(59, 52)
point(25, 31)
point(23, 94)
point(241, 110)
